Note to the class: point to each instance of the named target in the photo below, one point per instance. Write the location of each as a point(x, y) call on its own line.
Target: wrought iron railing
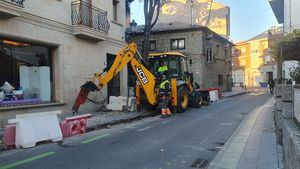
point(88, 15)
point(15, 2)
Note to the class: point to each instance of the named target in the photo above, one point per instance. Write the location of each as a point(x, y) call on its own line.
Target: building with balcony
point(48, 49)
point(252, 62)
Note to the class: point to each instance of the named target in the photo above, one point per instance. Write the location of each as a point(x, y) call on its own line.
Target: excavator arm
point(124, 56)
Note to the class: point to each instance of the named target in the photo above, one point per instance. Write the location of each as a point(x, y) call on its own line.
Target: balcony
point(89, 22)
point(11, 8)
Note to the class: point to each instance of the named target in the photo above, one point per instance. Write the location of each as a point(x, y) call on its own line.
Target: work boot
point(168, 112)
point(164, 112)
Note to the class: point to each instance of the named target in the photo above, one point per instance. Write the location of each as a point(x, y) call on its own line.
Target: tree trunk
point(149, 8)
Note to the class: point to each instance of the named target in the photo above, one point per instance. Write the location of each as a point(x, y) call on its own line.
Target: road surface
point(178, 142)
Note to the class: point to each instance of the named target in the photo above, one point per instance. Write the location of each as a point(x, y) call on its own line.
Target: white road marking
point(225, 124)
point(144, 129)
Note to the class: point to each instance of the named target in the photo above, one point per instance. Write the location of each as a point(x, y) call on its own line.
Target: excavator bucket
point(82, 96)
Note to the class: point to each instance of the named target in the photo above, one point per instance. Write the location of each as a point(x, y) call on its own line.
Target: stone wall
point(287, 126)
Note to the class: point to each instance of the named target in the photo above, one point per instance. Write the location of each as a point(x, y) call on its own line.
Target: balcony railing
point(15, 2)
point(90, 16)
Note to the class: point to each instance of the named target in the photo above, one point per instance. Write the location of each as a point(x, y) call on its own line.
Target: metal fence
point(15, 2)
point(297, 103)
point(88, 15)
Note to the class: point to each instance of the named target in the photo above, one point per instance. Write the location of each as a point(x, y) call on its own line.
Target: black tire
point(183, 99)
point(207, 101)
point(198, 102)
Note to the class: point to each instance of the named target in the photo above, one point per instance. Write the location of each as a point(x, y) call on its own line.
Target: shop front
point(25, 74)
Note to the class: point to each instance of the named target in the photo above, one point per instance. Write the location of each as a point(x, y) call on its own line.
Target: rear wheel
point(198, 102)
point(183, 99)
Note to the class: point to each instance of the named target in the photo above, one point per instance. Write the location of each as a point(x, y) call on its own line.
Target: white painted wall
point(291, 22)
point(291, 15)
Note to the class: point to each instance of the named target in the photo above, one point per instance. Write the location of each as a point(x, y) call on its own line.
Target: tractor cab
point(176, 63)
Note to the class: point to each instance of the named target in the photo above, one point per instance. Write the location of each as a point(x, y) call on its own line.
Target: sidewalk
point(105, 119)
point(253, 144)
point(235, 92)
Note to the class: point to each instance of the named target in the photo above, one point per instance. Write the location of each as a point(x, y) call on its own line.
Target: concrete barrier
point(9, 136)
point(117, 103)
point(35, 127)
point(214, 95)
point(74, 125)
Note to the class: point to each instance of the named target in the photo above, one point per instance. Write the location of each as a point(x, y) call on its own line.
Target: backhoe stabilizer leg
point(82, 95)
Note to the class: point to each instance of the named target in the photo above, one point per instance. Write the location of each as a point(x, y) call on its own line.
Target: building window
point(254, 51)
point(152, 45)
point(226, 53)
point(115, 10)
point(220, 80)
point(242, 62)
point(25, 73)
point(267, 59)
point(209, 55)
point(243, 50)
point(177, 44)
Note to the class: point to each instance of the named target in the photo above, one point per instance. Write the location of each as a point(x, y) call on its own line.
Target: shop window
point(177, 44)
point(25, 73)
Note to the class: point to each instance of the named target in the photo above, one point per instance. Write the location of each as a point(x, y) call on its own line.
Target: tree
point(128, 9)
point(150, 6)
point(286, 49)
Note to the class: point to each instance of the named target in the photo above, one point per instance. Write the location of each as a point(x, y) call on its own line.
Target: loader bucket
point(82, 96)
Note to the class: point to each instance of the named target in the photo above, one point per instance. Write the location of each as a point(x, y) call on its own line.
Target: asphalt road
point(152, 143)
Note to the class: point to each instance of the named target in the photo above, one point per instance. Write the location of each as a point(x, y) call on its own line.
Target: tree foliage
point(128, 9)
point(277, 48)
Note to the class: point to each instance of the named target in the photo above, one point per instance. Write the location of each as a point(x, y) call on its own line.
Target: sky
point(248, 17)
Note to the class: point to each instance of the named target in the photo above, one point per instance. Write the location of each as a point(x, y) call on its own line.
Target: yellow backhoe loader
point(183, 93)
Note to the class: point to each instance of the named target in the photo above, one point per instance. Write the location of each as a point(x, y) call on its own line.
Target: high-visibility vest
point(162, 85)
point(162, 69)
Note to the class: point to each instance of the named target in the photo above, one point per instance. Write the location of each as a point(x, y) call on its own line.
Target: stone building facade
point(72, 39)
point(208, 54)
point(253, 64)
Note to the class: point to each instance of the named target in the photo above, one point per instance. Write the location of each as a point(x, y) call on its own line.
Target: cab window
point(173, 69)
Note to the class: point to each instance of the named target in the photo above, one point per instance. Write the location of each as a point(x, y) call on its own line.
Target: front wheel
point(183, 99)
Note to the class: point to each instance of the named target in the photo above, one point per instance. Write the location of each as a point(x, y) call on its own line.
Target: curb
point(237, 94)
point(120, 121)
